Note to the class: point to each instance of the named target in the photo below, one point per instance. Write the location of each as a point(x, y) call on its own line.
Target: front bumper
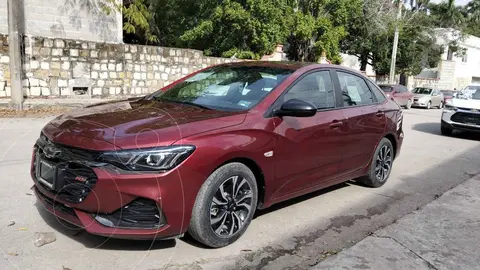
point(420, 103)
point(461, 120)
point(111, 206)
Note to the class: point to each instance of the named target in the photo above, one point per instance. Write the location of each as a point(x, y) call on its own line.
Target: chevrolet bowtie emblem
point(51, 151)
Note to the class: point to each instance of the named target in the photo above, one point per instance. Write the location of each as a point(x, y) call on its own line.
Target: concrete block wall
point(72, 19)
point(73, 68)
point(446, 74)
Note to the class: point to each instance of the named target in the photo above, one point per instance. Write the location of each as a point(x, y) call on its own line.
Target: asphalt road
point(294, 235)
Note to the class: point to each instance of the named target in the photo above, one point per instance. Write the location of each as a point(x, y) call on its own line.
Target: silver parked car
point(427, 97)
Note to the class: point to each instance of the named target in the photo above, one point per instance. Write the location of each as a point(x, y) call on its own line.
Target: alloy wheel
point(383, 163)
point(230, 207)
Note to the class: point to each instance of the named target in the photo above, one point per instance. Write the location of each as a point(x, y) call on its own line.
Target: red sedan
point(399, 93)
point(203, 154)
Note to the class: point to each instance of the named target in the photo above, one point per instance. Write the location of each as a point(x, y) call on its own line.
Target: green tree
point(371, 31)
point(319, 26)
point(247, 29)
point(447, 15)
point(137, 17)
point(472, 18)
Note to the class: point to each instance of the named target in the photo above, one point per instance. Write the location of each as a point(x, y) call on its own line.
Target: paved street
point(296, 234)
point(441, 235)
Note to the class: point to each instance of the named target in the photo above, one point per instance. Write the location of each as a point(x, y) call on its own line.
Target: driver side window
point(316, 88)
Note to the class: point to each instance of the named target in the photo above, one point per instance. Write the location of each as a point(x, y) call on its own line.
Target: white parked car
point(462, 113)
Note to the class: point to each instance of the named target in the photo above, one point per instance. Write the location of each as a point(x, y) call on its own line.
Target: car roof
point(273, 64)
point(289, 65)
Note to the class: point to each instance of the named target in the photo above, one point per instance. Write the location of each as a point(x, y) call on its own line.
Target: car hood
point(465, 103)
point(136, 123)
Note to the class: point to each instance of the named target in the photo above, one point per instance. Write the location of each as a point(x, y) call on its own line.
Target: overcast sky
point(458, 2)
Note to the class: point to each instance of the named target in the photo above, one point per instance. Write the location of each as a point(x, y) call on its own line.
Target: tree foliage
point(249, 29)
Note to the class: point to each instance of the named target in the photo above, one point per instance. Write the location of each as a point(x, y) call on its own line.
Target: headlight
point(157, 159)
point(449, 107)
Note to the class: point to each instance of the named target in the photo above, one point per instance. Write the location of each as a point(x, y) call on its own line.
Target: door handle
point(336, 124)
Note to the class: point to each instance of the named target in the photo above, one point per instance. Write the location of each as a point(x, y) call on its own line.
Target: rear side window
point(316, 88)
point(386, 88)
point(379, 96)
point(355, 91)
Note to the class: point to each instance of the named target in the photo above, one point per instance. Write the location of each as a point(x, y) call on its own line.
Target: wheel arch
point(392, 139)
point(257, 172)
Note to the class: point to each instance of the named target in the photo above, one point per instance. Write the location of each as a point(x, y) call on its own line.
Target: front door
point(308, 150)
point(365, 122)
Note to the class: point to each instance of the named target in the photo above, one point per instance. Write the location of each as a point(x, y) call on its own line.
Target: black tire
point(409, 104)
point(429, 105)
point(201, 221)
point(446, 130)
point(371, 179)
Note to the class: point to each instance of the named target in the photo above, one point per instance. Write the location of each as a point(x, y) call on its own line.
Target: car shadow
point(434, 128)
point(99, 242)
point(191, 241)
point(299, 199)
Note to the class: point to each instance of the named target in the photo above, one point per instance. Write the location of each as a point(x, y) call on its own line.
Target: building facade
point(69, 19)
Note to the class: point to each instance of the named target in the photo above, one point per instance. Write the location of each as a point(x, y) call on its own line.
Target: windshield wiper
point(185, 103)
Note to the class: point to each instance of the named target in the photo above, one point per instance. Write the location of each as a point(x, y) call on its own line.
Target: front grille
point(55, 205)
point(140, 213)
point(73, 180)
point(466, 118)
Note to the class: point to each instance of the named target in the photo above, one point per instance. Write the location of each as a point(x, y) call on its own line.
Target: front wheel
point(224, 206)
point(381, 165)
point(409, 104)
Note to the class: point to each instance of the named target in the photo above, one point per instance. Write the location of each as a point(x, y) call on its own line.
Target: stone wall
point(66, 68)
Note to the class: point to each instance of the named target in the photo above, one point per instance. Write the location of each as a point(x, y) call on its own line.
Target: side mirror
point(296, 108)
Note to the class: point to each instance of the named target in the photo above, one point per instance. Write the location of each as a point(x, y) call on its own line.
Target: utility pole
point(15, 56)
point(395, 43)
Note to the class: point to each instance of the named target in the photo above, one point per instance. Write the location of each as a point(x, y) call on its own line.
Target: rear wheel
point(446, 130)
point(224, 206)
point(380, 166)
point(440, 105)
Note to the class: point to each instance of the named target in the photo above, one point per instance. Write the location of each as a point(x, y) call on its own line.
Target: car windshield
point(226, 88)
point(422, 91)
point(472, 88)
point(476, 95)
point(447, 93)
point(386, 88)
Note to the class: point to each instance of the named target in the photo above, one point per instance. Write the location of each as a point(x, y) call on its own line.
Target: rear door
point(403, 93)
point(365, 121)
point(308, 149)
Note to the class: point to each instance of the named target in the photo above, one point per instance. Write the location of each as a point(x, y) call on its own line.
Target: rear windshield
point(447, 93)
point(422, 91)
point(386, 88)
